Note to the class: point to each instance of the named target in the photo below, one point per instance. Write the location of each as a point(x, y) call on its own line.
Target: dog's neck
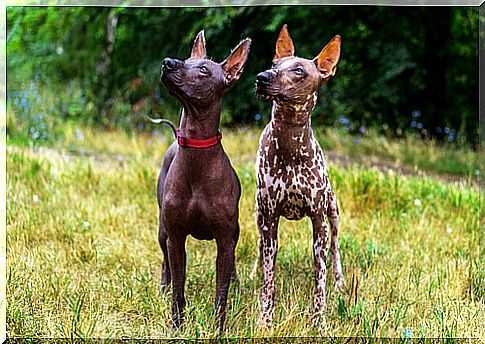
point(201, 123)
point(294, 114)
point(291, 127)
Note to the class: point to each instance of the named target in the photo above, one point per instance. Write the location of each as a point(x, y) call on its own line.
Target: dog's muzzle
point(264, 79)
point(169, 64)
point(263, 82)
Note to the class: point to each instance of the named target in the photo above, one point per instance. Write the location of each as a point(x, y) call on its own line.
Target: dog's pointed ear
point(284, 45)
point(326, 61)
point(198, 49)
point(233, 65)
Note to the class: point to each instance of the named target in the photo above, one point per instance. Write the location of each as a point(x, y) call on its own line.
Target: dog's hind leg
point(162, 234)
point(334, 220)
point(234, 277)
point(258, 263)
point(162, 240)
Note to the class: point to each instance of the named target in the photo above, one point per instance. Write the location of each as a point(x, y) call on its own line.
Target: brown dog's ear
point(233, 65)
point(327, 60)
point(198, 50)
point(284, 45)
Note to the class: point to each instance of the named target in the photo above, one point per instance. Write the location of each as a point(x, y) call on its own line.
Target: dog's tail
point(166, 121)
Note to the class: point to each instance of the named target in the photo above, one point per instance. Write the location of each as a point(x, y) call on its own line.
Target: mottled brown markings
point(292, 176)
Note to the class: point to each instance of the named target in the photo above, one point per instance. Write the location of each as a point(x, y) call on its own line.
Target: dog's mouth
point(264, 91)
point(171, 81)
point(268, 92)
point(174, 90)
point(166, 76)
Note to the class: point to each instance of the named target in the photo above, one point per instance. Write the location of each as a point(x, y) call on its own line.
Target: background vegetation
point(402, 70)
point(398, 124)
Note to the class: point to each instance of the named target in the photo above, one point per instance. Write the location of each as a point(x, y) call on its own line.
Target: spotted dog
point(292, 176)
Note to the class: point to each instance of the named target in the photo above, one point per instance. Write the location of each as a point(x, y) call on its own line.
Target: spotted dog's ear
point(198, 49)
point(326, 61)
point(284, 45)
point(233, 65)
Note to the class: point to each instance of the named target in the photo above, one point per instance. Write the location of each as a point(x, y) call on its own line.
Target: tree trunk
point(103, 76)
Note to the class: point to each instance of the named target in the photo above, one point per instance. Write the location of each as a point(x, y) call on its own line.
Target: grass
point(417, 154)
point(83, 258)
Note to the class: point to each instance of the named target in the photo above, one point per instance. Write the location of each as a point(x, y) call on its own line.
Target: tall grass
point(83, 258)
point(409, 151)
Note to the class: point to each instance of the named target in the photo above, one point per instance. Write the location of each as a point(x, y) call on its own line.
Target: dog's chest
point(201, 191)
point(292, 173)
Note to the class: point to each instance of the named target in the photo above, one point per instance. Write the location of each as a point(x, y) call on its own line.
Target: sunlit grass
point(426, 155)
point(83, 258)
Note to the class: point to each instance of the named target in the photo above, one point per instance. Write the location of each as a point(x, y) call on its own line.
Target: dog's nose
point(170, 64)
point(264, 77)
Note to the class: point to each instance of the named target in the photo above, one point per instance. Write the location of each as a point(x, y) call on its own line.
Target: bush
point(401, 70)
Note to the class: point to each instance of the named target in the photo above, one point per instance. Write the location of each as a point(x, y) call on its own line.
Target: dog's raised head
point(198, 81)
point(291, 79)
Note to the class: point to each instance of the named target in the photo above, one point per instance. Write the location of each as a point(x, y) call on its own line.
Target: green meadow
point(83, 258)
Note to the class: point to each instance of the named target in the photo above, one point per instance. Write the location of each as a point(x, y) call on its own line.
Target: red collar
point(184, 141)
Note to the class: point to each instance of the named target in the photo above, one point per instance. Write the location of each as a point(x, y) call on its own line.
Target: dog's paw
point(164, 288)
point(339, 285)
point(319, 322)
point(264, 321)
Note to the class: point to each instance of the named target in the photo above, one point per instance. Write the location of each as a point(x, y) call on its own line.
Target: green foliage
point(402, 69)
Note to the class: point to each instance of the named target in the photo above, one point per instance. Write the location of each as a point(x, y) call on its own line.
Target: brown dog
point(292, 177)
point(198, 190)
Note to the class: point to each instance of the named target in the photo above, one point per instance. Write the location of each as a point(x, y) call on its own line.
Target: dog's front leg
point(320, 248)
point(268, 246)
point(225, 269)
point(177, 259)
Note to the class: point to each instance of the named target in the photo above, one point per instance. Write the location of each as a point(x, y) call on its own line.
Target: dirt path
point(332, 157)
point(386, 165)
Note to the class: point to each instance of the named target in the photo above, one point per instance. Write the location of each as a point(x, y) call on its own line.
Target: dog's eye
point(299, 71)
point(204, 70)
